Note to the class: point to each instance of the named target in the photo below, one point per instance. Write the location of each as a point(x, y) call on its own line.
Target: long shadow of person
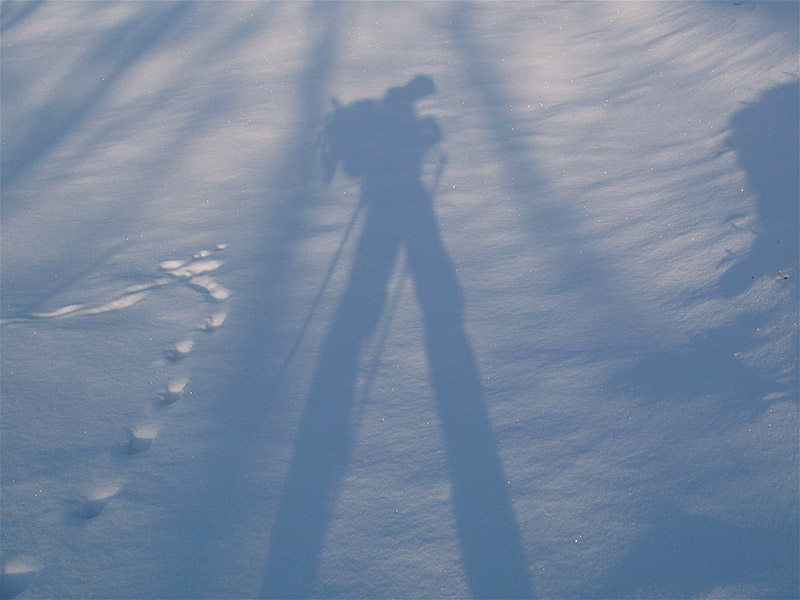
point(384, 143)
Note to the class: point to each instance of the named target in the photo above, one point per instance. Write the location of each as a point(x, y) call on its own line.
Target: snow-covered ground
point(614, 412)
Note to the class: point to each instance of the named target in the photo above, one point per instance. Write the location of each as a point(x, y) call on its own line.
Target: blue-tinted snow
point(541, 342)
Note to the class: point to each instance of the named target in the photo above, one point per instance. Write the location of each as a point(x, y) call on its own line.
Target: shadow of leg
point(490, 540)
point(324, 440)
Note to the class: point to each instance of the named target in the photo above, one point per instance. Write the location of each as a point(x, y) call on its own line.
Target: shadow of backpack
point(351, 137)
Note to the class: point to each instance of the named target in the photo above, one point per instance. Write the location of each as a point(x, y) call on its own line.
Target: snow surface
point(591, 390)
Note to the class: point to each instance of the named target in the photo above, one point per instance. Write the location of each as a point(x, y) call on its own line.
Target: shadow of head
point(421, 86)
point(380, 140)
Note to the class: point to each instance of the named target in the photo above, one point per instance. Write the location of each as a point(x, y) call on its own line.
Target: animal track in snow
point(194, 273)
point(18, 574)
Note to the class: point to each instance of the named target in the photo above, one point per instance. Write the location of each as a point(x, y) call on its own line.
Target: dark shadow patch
point(764, 136)
point(681, 555)
point(711, 364)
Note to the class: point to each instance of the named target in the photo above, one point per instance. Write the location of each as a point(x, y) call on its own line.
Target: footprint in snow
point(171, 265)
point(204, 253)
point(95, 502)
point(17, 575)
point(215, 320)
point(206, 285)
point(193, 268)
point(174, 390)
point(195, 273)
point(181, 349)
point(139, 440)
